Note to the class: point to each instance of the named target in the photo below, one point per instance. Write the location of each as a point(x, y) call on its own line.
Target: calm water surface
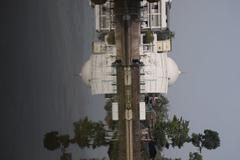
point(43, 44)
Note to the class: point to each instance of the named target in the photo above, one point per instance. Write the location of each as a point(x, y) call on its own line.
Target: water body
point(43, 43)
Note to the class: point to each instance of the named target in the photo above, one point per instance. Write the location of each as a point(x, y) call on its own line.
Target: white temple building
point(153, 15)
point(158, 72)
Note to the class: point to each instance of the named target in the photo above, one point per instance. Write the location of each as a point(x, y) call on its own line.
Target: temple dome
point(173, 71)
point(86, 72)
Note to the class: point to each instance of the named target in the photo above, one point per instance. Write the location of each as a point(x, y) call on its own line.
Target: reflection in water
point(86, 134)
point(158, 132)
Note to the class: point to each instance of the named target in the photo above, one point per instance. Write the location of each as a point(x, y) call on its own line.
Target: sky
point(206, 48)
point(43, 43)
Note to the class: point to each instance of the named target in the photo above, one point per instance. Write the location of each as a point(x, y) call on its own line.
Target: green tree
point(196, 139)
point(65, 140)
point(169, 132)
point(177, 131)
point(209, 140)
point(195, 156)
point(159, 134)
point(83, 130)
point(99, 136)
point(51, 141)
point(161, 108)
point(89, 133)
point(86, 134)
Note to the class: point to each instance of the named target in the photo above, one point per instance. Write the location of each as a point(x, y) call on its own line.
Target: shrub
point(148, 38)
point(111, 37)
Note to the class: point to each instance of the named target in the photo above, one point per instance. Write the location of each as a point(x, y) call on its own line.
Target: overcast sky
point(206, 47)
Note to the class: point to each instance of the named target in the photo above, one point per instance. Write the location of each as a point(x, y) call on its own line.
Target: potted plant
point(111, 37)
point(164, 35)
point(148, 37)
